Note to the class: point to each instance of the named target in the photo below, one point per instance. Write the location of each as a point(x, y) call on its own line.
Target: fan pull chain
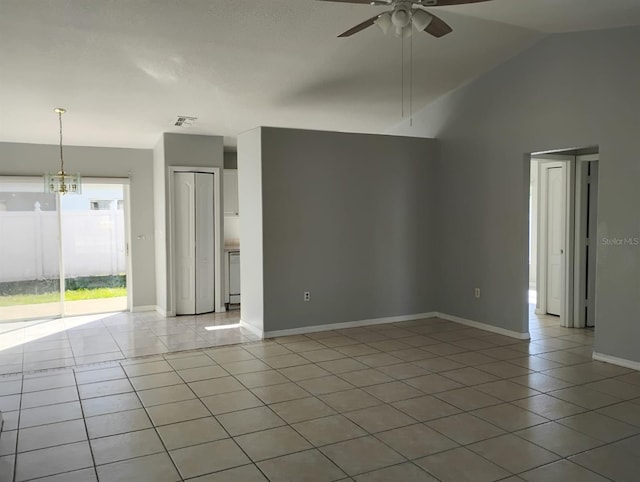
point(411, 81)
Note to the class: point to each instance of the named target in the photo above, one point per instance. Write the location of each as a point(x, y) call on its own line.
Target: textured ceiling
point(125, 69)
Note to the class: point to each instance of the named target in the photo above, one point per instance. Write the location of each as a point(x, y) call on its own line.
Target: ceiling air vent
point(185, 121)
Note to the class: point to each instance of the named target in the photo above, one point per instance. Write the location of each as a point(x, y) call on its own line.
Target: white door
point(204, 243)
point(184, 232)
point(556, 213)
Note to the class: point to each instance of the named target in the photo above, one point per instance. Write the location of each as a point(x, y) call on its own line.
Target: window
point(100, 205)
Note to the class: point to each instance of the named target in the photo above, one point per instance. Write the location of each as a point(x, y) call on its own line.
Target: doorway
point(195, 268)
point(62, 255)
point(562, 233)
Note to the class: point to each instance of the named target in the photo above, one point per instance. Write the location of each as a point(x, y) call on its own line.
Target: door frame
point(218, 234)
point(580, 266)
point(567, 163)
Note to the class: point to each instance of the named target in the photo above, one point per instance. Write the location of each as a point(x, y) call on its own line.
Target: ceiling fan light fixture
point(401, 17)
point(421, 19)
point(384, 22)
point(403, 32)
point(62, 182)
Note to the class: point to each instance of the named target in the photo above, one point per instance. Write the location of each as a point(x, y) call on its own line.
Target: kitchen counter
point(232, 246)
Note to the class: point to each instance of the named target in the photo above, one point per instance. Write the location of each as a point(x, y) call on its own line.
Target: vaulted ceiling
point(125, 69)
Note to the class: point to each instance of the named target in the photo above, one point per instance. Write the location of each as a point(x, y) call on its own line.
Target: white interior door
point(204, 243)
point(556, 215)
point(184, 232)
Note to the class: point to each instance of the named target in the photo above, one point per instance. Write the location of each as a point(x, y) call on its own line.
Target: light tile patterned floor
point(424, 400)
point(66, 342)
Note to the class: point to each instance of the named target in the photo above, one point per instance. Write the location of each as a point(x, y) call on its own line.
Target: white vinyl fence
point(93, 244)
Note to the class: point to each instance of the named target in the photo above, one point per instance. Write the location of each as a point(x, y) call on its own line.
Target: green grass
point(72, 295)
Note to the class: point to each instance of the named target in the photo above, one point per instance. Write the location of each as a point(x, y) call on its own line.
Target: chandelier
point(62, 182)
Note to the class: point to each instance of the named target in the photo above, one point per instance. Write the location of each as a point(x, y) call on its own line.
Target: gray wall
point(348, 217)
point(230, 160)
point(193, 150)
point(180, 150)
point(36, 159)
point(572, 90)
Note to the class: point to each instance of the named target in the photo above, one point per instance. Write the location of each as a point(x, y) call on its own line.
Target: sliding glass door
point(94, 250)
point(61, 255)
point(29, 251)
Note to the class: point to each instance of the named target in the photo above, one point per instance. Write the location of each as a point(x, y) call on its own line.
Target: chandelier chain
point(61, 156)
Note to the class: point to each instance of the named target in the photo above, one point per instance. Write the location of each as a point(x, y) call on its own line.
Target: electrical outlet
point(477, 292)
point(307, 295)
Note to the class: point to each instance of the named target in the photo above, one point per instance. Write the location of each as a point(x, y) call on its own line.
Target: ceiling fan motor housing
point(401, 16)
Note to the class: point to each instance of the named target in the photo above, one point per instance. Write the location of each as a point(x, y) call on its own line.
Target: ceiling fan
point(404, 16)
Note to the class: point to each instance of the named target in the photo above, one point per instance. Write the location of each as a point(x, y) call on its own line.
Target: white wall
point(36, 159)
point(160, 222)
point(232, 229)
point(251, 228)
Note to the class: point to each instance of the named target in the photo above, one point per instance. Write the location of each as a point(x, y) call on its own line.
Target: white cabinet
point(234, 277)
point(230, 188)
point(232, 285)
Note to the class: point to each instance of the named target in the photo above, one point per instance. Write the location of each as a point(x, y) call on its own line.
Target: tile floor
point(414, 401)
point(67, 342)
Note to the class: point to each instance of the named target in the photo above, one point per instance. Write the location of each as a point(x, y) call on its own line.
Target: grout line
point(86, 430)
point(394, 379)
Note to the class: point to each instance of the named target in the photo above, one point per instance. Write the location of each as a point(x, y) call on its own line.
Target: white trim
point(588, 157)
point(256, 331)
point(161, 311)
point(484, 326)
point(218, 237)
point(392, 319)
point(614, 360)
point(347, 324)
point(141, 308)
point(567, 164)
point(126, 197)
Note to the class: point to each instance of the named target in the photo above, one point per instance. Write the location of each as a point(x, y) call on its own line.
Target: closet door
point(204, 243)
point(185, 243)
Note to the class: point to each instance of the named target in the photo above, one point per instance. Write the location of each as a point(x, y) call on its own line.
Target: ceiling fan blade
point(361, 26)
point(442, 3)
point(438, 27)
point(348, 1)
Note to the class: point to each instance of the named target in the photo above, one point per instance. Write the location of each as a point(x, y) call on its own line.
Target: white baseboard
point(138, 309)
point(484, 326)
point(256, 331)
point(614, 360)
point(347, 324)
point(162, 311)
point(379, 321)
